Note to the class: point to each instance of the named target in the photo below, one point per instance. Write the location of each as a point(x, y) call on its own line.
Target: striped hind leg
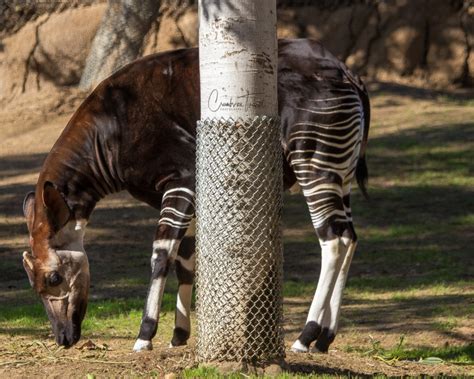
point(337, 240)
point(324, 145)
point(177, 211)
point(330, 318)
point(185, 270)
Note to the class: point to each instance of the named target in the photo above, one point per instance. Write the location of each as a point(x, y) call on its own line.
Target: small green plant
point(427, 355)
point(387, 356)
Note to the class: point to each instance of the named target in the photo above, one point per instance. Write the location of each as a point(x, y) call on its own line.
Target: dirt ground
point(29, 127)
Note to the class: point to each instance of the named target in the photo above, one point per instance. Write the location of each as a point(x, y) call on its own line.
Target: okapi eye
point(55, 279)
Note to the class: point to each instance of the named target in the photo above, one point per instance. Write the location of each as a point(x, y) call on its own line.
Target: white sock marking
point(298, 347)
point(330, 265)
point(142, 345)
point(158, 285)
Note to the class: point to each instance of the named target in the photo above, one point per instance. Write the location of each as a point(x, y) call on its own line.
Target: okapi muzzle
point(57, 268)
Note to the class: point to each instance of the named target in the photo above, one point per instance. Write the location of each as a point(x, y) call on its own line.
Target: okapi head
point(57, 266)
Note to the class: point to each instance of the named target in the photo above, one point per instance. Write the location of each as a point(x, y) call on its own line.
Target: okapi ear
point(28, 208)
point(57, 210)
point(28, 260)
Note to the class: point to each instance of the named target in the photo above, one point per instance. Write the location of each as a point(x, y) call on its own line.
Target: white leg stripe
point(183, 307)
point(341, 105)
point(335, 125)
point(184, 299)
point(184, 226)
point(351, 110)
point(336, 298)
point(190, 201)
point(171, 222)
point(176, 212)
point(170, 245)
point(154, 297)
point(329, 269)
point(336, 98)
point(311, 132)
point(179, 189)
point(180, 307)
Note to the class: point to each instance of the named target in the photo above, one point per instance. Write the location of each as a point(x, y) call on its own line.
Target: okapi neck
point(82, 168)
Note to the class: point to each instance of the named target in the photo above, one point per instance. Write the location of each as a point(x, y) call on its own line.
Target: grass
point(213, 373)
point(206, 372)
point(463, 355)
point(107, 318)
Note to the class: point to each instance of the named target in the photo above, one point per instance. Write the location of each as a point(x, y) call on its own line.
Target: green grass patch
point(205, 372)
point(22, 316)
point(213, 373)
point(117, 316)
point(293, 288)
point(122, 317)
point(400, 352)
point(446, 325)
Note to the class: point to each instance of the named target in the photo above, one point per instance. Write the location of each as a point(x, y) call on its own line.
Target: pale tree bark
point(119, 38)
point(239, 182)
point(238, 51)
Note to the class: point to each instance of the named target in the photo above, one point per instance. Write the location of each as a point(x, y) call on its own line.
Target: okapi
point(136, 131)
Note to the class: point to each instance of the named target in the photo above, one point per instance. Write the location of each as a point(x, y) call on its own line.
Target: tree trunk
point(119, 38)
point(239, 180)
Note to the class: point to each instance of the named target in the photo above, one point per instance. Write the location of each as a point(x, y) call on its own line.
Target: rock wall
point(48, 52)
point(423, 42)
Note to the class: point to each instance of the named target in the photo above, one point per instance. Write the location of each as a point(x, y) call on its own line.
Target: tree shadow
point(379, 88)
point(15, 165)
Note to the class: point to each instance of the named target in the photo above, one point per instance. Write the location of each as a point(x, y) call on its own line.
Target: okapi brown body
point(136, 132)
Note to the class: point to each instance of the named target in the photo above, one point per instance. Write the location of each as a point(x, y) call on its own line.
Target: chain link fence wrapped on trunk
point(239, 253)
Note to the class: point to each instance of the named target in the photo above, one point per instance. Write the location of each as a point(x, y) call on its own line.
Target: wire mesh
point(239, 251)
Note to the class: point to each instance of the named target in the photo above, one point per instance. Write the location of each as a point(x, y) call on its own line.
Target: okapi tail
point(362, 176)
point(362, 173)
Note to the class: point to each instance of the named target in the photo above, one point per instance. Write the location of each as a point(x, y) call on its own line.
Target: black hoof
point(180, 337)
point(325, 339)
point(310, 333)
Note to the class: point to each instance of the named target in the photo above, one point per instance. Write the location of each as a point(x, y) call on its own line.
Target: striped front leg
point(177, 212)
